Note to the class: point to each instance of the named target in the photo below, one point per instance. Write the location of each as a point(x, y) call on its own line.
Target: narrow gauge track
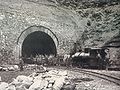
point(109, 78)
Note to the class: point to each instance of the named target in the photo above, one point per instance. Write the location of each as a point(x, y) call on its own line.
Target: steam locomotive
point(91, 58)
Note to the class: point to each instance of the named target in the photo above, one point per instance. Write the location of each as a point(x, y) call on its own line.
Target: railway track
point(109, 78)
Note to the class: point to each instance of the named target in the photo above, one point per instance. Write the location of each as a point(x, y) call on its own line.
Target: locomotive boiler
point(91, 58)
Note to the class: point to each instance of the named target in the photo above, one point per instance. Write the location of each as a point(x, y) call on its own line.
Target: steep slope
point(102, 29)
point(102, 25)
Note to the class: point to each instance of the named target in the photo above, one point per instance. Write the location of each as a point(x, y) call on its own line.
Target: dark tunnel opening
point(38, 43)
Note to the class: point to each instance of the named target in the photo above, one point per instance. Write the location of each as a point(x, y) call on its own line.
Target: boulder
point(49, 85)
point(40, 84)
point(39, 77)
point(27, 84)
point(16, 67)
point(69, 87)
point(5, 69)
point(23, 78)
point(0, 79)
point(11, 69)
point(52, 72)
point(3, 85)
point(25, 81)
point(11, 87)
point(59, 82)
point(33, 74)
point(1, 68)
point(21, 87)
point(15, 82)
point(63, 73)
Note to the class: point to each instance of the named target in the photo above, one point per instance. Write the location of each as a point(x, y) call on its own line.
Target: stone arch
point(30, 30)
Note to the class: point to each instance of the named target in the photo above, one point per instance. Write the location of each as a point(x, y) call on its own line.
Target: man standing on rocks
point(21, 63)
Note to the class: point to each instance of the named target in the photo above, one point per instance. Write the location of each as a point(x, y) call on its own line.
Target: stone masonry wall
point(15, 17)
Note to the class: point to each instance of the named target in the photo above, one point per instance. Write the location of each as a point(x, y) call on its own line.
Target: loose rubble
point(9, 68)
point(46, 80)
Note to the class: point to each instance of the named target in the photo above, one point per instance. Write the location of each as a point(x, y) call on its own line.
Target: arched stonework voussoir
point(35, 28)
point(29, 31)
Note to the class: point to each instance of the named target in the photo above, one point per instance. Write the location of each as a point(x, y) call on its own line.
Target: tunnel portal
point(38, 43)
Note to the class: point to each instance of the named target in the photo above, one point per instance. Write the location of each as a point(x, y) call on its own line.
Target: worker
point(107, 57)
point(21, 63)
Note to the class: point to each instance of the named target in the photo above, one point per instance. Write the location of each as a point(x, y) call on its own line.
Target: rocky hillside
point(100, 19)
point(90, 24)
point(102, 29)
point(102, 23)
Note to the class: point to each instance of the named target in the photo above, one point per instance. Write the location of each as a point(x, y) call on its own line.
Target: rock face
point(102, 29)
point(51, 80)
point(16, 17)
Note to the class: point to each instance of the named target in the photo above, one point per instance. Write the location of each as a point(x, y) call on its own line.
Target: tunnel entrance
point(38, 43)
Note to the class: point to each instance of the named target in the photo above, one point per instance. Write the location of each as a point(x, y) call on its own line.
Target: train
point(91, 58)
point(86, 58)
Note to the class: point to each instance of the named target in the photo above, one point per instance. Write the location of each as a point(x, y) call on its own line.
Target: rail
point(109, 78)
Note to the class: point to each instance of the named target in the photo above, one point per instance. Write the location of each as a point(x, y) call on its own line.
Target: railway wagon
point(90, 58)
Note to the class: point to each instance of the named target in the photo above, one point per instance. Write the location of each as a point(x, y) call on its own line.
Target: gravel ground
point(7, 76)
point(82, 81)
point(88, 82)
